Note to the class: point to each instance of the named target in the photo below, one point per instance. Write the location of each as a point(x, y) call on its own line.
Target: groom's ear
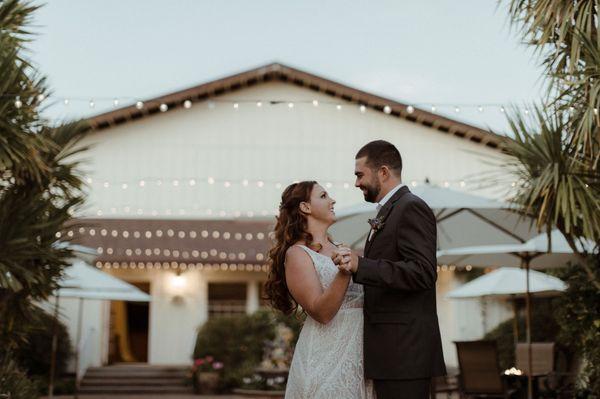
point(305, 207)
point(385, 171)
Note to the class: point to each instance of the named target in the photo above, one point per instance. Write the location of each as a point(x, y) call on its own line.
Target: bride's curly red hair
point(291, 227)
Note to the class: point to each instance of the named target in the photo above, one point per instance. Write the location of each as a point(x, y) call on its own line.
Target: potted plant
point(206, 374)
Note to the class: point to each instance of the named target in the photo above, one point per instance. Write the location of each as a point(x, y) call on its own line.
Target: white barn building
point(183, 189)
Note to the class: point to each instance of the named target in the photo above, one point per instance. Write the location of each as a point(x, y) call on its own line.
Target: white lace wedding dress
point(328, 359)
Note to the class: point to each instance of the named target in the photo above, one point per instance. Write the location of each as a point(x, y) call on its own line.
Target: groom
point(402, 344)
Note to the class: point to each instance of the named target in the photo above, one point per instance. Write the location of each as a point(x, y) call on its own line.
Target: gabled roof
point(281, 73)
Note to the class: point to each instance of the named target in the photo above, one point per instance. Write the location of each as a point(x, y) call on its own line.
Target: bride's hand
point(342, 258)
point(341, 255)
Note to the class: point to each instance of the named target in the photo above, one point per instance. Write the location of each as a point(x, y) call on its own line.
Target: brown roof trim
point(283, 73)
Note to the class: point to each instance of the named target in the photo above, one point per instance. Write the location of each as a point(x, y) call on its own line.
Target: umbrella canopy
point(507, 282)
point(463, 219)
point(84, 281)
point(537, 250)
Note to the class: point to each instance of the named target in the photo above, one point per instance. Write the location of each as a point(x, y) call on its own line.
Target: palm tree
point(556, 155)
point(39, 185)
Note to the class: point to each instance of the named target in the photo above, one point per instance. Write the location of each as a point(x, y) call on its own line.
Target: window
point(226, 299)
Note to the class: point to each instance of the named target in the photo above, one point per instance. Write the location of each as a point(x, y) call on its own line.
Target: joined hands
point(345, 259)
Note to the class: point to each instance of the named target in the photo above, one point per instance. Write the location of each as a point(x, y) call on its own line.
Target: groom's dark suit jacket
point(399, 272)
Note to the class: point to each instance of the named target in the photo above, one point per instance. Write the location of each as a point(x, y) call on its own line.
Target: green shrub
point(578, 313)
point(238, 342)
point(14, 381)
point(34, 355)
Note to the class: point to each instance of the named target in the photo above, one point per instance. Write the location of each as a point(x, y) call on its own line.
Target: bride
point(328, 359)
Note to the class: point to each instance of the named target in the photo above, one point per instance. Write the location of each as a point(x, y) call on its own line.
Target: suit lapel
point(383, 214)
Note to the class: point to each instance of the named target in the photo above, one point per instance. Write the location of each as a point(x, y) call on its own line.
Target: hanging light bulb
point(315, 103)
point(410, 109)
point(457, 110)
point(18, 103)
point(139, 105)
point(116, 102)
point(163, 107)
point(502, 109)
point(259, 104)
point(433, 108)
point(41, 97)
point(187, 104)
point(363, 109)
point(290, 105)
point(66, 101)
point(339, 107)
point(387, 109)
point(92, 103)
point(480, 108)
point(236, 106)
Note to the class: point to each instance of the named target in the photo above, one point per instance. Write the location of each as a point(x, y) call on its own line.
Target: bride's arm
point(304, 285)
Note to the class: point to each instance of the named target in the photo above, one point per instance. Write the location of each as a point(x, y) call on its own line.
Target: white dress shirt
point(389, 195)
point(383, 201)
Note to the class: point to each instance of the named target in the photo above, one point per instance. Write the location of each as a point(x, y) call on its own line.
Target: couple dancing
point(371, 328)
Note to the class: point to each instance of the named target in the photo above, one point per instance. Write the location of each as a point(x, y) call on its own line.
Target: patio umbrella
point(87, 282)
point(538, 252)
point(463, 219)
point(509, 282)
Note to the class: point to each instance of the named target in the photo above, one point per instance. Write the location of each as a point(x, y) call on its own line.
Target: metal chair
point(480, 374)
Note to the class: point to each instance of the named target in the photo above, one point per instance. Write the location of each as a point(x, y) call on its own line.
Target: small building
point(183, 190)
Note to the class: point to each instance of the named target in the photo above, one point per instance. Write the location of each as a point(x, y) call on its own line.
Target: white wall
point(175, 315)
point(463, 320)
point(94, 321)
point(272, 144)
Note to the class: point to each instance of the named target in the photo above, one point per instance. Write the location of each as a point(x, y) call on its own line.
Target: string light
point(187, 104)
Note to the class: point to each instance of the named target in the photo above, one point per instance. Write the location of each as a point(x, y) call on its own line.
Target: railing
point(84, 355)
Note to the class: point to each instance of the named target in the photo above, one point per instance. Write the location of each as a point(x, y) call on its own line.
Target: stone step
point(137, 379)
point(135, 389)
point(133, 373)
point(131, 381)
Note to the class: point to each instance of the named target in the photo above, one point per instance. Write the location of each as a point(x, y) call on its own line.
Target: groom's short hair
point(379, 153)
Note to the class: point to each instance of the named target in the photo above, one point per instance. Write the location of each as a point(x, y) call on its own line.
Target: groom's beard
point(371, 192)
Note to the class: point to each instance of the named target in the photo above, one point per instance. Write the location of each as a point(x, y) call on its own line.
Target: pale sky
point(418, 52)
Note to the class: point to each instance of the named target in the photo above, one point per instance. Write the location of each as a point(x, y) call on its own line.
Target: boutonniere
point(376, 224)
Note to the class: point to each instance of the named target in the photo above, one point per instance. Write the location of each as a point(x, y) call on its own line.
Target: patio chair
point(480, 374)
point(551, 375)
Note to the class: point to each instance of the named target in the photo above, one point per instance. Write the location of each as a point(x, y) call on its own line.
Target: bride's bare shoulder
point(295, 254)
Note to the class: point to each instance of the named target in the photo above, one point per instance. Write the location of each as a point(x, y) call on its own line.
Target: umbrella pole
point(54, 349)
point(79, 322)
point(529, 351)
point(515, 320)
